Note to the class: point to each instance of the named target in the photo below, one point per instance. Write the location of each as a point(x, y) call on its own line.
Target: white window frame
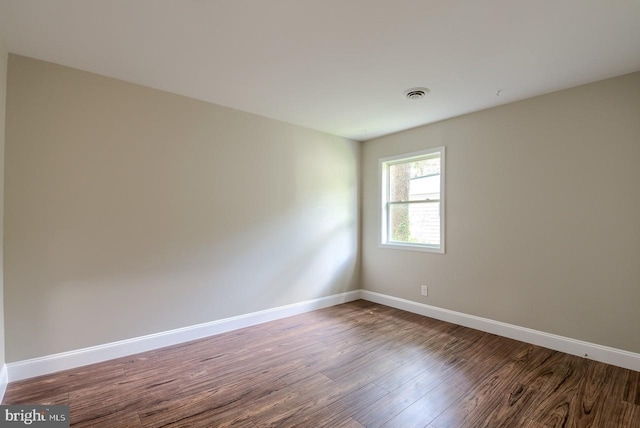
point(383, 185)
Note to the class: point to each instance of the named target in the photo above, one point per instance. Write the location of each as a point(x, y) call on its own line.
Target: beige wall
point(4, 54)
point(543, 215)
point(131, 211)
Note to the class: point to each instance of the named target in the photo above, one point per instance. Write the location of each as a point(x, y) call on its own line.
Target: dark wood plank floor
point(353, 365)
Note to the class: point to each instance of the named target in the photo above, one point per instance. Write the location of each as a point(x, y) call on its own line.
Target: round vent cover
point(416, 93)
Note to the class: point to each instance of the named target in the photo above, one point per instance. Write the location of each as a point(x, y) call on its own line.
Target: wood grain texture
point(355, 365)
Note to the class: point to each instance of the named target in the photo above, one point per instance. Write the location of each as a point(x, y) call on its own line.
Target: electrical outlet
point(424, 290)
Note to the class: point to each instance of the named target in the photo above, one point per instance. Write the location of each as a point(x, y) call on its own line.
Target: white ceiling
point(340, 66)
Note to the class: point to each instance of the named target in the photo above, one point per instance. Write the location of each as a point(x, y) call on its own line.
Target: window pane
point(415, 180)
point(415, 223)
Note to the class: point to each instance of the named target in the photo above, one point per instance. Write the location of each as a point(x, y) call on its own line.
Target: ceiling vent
point(416, 93)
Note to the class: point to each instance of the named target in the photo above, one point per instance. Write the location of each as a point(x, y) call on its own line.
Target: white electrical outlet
point(424, 290)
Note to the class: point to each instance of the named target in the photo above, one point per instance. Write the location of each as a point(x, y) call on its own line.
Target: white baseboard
point(605, 354)
point(95, 354)
point(4, 380)
point(67, 360)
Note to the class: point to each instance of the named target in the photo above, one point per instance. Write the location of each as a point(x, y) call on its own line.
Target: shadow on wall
point(237, 275)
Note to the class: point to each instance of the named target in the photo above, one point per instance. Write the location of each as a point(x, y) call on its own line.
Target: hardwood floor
point(353, 365)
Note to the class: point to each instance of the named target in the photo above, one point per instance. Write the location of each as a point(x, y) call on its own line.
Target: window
point(413, 201)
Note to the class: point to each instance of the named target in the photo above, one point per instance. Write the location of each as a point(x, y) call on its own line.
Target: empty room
point(320, 213)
